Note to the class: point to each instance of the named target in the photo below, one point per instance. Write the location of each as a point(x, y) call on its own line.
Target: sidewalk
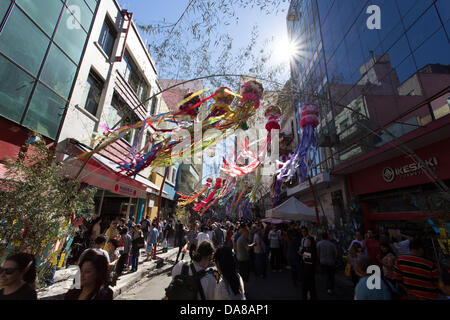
point(64, 277)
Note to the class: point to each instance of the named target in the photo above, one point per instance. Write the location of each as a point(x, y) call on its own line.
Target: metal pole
point(166, 170)
point(315, 202)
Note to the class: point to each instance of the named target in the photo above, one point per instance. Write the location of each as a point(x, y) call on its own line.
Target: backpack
point(184, 286)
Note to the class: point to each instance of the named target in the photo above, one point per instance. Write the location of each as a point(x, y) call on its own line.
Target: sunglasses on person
point(8, 271)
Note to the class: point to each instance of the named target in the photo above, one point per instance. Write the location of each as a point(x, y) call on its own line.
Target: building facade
point(383, 93)
point(68, 69)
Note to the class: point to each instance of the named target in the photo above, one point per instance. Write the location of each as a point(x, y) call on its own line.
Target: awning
point(292, 209)
point(104, 173)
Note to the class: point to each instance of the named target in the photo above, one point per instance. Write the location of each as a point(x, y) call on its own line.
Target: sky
point(274, 25)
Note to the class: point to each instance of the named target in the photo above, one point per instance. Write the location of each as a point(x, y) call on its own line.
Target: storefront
point(117, 195)
point(398, 193)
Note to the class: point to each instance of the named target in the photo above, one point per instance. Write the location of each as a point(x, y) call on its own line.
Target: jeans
point(260, 264)
point(275, 258)
point(329, 275)
point(244, 269)
point(308, 282)
point(134, 260)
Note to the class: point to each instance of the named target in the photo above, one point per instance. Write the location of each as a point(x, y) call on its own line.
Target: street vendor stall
point(292, 209)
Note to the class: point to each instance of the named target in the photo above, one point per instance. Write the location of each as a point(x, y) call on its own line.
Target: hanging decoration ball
point(252, 91)
point(273, 114)
point(189, 105)
point(222, 103)
point(223, 96)
point(309, 116)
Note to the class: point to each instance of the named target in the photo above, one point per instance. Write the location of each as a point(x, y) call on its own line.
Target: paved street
point(276, 286)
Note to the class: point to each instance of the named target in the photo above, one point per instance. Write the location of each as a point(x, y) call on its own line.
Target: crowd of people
point(225, 254)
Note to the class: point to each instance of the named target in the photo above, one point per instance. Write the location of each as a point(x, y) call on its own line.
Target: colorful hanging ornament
point(302, 157)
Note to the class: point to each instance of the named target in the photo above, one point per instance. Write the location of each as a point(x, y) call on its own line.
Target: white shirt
point(201, 237)
point(223, 291)
point(274, 237)
point(208, 282)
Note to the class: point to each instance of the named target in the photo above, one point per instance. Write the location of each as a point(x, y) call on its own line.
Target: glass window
point(399, 51)
point(128, 117)
point(423, 28)
point(82, 13)
point(15, 89)
point(45, 112)
point(4, 6)
point(434, 50)
point(92, 4)
point(44, 12)
point(70, 36)
point(59, 72)
point(27, 47)
point(107, 37)
point(411, 10)
point(406, 69)
point(94, 91)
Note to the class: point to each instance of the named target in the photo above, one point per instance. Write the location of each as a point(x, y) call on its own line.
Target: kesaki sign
point(413, 169)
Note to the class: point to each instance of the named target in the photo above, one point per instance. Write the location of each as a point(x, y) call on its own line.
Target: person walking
point(242, 254)
point(146, 225)
point(152, 240)
point(201, 259)
point(180, 238)
point(309, 257)
point(94, 278)
point(218, 236)
point(293, 259)
point(260, 254)
point(202, 235)
point(230, 285)
point(17, 277)
point(327, 254)
point(137, 244)
point(275, 249)
point(191, 238)
point(125, 253)
point(416, 274)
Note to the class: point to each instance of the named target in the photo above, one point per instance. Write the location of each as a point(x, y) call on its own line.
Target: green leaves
point(36, 194)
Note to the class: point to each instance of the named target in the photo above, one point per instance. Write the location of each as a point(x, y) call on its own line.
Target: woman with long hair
point(94, 278)
point(17, 277)
point(231, 285)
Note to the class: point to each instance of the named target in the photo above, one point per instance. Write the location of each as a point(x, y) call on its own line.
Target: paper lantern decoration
point(309, 116)
point(252, 91)
point(273, 114)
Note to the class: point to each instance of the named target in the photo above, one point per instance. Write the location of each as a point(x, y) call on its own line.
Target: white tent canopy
point(292, 209)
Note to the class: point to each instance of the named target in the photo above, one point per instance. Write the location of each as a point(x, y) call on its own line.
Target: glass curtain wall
point(41, 45)
point(381, 73)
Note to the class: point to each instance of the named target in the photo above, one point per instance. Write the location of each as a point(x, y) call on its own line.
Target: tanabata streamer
point(160, 154)
point(308, 123)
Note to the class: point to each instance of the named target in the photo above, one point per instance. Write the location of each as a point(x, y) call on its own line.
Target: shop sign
point(413, 169)
point(124, 190)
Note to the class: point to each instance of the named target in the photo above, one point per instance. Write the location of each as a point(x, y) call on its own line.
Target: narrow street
point(276, 286)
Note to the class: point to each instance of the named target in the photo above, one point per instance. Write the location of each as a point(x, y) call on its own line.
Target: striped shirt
point(419, 276)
